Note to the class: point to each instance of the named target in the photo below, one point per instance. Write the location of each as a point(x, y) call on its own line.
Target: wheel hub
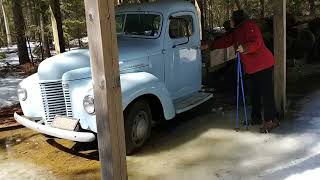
point(140, 127)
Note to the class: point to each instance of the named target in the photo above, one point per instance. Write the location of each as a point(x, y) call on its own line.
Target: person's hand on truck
point(240, 49)
point(204, 45)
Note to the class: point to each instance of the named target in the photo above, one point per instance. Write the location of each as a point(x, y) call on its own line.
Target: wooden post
point(100, 17)
point(279, 23)
point(199, 13)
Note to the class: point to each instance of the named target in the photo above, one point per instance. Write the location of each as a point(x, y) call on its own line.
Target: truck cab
point(160, 75)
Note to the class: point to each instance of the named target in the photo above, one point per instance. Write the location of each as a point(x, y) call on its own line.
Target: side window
point(181, 26)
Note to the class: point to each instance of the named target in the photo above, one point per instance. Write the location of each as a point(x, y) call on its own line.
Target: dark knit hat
point(239, 16)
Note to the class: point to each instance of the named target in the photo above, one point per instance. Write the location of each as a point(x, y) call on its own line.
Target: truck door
point(182, 54)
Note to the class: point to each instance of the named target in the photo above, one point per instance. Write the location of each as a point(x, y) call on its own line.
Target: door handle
point(164, 51)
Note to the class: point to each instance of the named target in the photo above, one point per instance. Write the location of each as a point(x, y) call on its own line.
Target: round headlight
point(88, 104)
point(22, 94)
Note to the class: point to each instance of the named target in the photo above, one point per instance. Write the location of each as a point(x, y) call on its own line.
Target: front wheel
point(137, 122)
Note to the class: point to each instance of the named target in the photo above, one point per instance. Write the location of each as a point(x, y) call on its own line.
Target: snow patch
point(8, 91)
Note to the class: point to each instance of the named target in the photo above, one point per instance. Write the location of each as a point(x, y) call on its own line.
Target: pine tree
point(20, 31)
point(6, 24)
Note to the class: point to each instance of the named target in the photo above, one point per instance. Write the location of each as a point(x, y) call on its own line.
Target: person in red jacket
point(258, 63)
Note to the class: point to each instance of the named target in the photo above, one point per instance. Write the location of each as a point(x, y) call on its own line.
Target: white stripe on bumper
point(55, 132)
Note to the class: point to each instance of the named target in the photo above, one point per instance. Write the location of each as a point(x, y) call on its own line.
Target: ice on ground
point(12, 57)
point(11, 52)
point(9, 85)
point(23, 170)
point(8, 91)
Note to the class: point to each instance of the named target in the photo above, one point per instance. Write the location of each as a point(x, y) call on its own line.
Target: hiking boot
point(268, 126)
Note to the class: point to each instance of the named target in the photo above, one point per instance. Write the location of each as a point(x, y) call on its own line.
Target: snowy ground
point(12, 51)
point(8, 91)
point(9, 85)
point(21, 170)
point(12, 54)
point(199, 144)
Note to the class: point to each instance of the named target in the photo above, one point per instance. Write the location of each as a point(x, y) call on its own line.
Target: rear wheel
point(137, 122)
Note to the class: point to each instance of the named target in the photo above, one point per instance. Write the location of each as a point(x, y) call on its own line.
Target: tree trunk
point(20, 32)
point(312, 7)
point(262, 3)
point(245, 3)
point(228, 9)
point(2, 29)
point(57, 30)
point(35, 18)
point(202, 9)
point(6, 24)
point(44, 35)
point(30, 18)
point(238, 4)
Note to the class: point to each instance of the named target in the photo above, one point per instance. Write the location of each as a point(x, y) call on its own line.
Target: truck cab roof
point(165, 7)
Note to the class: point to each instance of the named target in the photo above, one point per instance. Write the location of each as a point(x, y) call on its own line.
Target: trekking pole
point(243, 94)
point(240, 81)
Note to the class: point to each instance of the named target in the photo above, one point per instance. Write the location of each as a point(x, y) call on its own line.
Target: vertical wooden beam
point(279, 23)
point(100, 17)
point(196, 4)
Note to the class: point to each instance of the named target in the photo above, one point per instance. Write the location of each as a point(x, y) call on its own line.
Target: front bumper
point(55, 132)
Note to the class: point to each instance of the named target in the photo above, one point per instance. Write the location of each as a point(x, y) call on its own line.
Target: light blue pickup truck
point(160, 74)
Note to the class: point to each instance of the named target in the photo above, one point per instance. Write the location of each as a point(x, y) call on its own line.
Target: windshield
point(146, 25)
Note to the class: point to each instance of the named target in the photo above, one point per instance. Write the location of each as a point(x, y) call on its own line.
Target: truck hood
point(133, 57)
point(130, 49)
point(54, 67)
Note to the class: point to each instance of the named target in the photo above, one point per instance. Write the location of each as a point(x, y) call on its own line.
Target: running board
point(193, 100)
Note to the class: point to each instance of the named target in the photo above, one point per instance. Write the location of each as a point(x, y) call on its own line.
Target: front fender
point(32, 106)
point(134, 85)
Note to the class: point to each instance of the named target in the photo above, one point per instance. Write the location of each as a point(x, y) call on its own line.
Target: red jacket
point(257, 56)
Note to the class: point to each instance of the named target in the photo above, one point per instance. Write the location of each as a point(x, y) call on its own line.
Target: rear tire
point(137, 124)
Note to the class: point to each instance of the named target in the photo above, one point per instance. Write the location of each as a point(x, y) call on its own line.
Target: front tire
point(137, 122)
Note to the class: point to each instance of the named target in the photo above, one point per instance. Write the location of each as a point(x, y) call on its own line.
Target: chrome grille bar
point(53, 98)
point(67, 99)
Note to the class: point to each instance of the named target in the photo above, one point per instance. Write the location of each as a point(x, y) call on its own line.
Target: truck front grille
point(67, 99)
point(55, 99)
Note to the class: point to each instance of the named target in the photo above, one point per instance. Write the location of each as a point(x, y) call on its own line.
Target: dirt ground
point(200, 144)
